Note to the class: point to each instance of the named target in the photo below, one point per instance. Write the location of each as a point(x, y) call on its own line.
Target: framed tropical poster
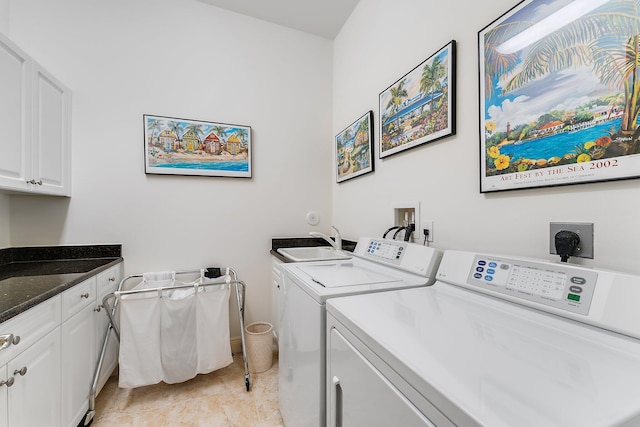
point(419, 107)
point(192, 147)
point(559, 85)
point(354, 148)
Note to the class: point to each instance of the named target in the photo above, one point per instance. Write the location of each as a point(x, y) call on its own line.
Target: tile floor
point(218, 399)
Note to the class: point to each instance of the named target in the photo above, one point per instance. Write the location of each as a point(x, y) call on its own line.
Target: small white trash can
point(258, 339)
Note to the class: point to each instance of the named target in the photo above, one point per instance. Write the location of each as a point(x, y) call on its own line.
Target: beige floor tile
point(215, 399)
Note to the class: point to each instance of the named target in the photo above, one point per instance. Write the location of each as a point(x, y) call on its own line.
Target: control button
point(493, 264)
point(482, 262)
point(480, 269)
point(491, 271)
point(578, 280)
point(504, 266)
point(575, 289)
point(488, 278)
point(477, 275)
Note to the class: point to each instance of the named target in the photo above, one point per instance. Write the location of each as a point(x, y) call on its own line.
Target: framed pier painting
point(192, 147)
point(354, 149)
point(559, 84)
point(419, 107)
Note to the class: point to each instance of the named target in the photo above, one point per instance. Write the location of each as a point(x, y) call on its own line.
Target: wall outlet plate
point(583, 229)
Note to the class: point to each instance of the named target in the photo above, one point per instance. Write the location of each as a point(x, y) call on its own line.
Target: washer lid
point(344, 274)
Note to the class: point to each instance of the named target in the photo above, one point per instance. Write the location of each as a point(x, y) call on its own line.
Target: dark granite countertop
point(31, 275)
point(299, 242)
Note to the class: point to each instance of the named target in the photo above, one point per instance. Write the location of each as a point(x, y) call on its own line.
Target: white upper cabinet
point(50, 138)
point(35, 112)
point(15, 110)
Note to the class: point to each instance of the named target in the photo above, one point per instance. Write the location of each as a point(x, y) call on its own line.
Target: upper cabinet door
point(35, 126)
point(50, 138)
point(15, 117)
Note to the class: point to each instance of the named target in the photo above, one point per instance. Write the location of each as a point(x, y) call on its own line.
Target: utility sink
point(313, 253)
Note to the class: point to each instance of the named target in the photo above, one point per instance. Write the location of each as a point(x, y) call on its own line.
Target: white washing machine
point(497, 341)
point(378, 265)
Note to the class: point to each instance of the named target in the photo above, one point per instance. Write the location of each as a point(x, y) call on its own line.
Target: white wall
point(186, 59)
point(381, 42)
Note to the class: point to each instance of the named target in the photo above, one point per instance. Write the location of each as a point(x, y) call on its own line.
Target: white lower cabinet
point(276, 294)
point(107, 283)
point(4, 403)
point(34, 397)
point(78, 364)
point(47, 373)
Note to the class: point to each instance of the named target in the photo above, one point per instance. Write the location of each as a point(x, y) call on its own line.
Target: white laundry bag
point(174, 335)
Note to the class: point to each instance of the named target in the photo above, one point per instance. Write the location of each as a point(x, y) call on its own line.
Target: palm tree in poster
point(152, 126)
point(398, 94)
point(431, 79)
point(196, 129)
point(605, 39)
point(363, 127)
point(177, 129)
point(242, 135)
point(220, 131)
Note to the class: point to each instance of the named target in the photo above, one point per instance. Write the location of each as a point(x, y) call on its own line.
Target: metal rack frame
point(231, 278)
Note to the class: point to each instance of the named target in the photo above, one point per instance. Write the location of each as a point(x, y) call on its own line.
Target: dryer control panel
point(554, 285)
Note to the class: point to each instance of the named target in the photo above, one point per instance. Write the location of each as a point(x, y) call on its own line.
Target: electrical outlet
point(427, 225)
point(583, 229)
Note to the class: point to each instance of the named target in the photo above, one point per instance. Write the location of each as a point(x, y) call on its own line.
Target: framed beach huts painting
point(559, 85)
point(420, 107)
point(354, 148)
point(193, 147)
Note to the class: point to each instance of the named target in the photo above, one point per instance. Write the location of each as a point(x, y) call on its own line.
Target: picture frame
point(354, 149)
point(419, 107)
point(556, 85)
point(174, 146)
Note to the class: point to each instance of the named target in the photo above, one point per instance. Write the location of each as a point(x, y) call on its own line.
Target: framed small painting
point(354, 147)
point(558, 94)
point(191, 147)
point(420, 107)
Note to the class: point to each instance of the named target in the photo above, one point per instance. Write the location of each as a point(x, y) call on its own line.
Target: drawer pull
point(84, 295)
point(112, 279)
point(98, 308)
point(8, 382)
point(21, 372)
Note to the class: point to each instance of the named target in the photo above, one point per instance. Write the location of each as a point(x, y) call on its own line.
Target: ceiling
point(323, 18)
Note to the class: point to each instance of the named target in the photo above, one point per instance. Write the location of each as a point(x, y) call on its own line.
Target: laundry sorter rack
point(211, 276)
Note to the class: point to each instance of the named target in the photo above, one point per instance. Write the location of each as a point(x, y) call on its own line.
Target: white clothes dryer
point(378, 265)
point(497, 341)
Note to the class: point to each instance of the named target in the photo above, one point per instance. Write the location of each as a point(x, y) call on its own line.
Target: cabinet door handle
point(8, 382)
point(21, 372)
point(112, 279)
point(98, 308)
point(39, 182)
point(84, 295)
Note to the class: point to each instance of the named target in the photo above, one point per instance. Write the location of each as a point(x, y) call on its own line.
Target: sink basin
point(313, 253)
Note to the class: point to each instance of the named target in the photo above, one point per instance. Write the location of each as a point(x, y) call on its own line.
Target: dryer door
point(359, 395)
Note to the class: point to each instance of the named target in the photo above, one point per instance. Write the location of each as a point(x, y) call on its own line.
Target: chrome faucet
point(337, 244)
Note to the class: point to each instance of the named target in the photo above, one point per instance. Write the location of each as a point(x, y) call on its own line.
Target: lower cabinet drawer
point(78, 297)
point(28, 327)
